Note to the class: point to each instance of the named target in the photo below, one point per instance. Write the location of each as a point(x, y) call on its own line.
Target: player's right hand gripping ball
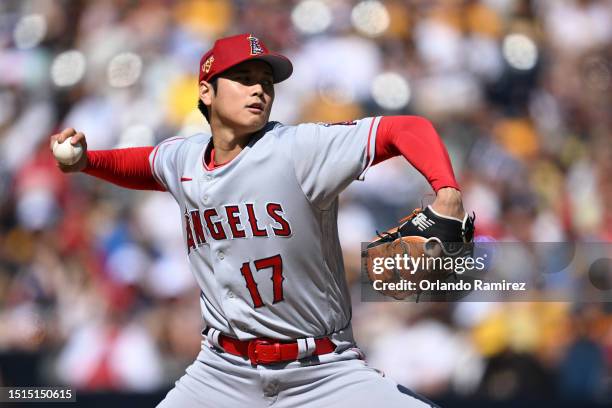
point(66, 153)
point(423, 234)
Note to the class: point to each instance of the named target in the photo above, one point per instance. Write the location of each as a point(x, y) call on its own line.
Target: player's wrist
point(449, 202)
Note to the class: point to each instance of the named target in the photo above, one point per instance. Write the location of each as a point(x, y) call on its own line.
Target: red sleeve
point(416, 139)
point(125, 167)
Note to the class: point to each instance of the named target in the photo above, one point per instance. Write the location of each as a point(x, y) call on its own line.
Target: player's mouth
point(256, 108)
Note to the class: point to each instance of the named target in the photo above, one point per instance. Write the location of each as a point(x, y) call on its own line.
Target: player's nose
point(257, 89)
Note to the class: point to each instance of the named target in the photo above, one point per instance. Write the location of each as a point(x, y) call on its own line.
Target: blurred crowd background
point(95, 291)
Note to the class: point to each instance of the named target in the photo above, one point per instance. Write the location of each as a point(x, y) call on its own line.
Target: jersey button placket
point(205, 182)
point(220, 255)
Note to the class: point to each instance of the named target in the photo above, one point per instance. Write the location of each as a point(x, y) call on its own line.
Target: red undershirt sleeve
point(125, 167)
point(416, 139)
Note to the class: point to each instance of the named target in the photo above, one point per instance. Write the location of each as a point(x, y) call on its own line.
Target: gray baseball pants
point(220, 380)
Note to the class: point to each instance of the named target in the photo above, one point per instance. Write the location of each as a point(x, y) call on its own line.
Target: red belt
point(268, 351)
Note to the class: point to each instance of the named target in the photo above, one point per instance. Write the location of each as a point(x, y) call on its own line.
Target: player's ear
point(206, 92)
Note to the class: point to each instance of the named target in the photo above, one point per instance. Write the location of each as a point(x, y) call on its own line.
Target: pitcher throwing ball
point(259, 201)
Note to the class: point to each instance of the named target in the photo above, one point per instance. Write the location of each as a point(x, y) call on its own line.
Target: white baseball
point(66, 153)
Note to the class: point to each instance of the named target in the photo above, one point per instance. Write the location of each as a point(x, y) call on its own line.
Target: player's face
point(244, 97)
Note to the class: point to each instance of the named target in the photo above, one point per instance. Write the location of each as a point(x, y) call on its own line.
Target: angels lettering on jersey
point(235, 221)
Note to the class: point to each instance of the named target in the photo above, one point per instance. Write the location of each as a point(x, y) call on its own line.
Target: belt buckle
point(269, 353)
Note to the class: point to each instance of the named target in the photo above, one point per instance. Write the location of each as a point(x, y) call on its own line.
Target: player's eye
point(243, 79)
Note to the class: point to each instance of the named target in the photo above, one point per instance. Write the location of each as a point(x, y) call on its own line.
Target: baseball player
point(259, 202)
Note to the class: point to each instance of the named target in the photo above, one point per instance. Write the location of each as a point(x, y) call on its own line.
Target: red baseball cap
point(230, 51)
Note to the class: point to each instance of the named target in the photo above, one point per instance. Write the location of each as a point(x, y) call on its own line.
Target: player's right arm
point(128, 168)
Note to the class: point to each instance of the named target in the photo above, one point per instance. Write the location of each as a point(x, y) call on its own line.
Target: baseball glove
point(420, 238)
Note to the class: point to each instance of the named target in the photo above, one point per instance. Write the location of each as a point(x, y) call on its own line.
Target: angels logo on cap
point(255, 47)
point(230, 51)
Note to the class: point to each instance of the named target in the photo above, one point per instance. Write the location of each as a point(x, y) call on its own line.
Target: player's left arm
point(417, 141)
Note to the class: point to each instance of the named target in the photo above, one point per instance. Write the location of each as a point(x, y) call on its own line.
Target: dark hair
point(202, 108)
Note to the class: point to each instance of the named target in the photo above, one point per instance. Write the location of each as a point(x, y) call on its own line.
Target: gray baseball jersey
point(262, 240)
point(261, 230)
